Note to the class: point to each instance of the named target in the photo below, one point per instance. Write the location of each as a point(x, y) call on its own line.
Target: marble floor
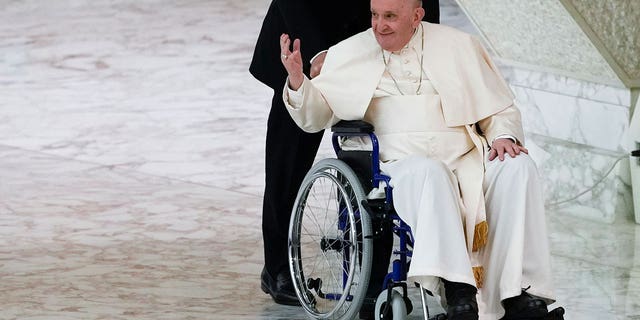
point(131, 155)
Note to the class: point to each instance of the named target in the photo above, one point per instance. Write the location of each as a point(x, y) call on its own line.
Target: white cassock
point(444, 187)
point(516, 256)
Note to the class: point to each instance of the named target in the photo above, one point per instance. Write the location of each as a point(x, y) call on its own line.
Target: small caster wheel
point(396, 311)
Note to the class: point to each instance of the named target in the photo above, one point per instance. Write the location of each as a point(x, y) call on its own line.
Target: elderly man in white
point(436, 100)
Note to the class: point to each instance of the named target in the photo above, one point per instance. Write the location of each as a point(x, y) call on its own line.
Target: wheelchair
point(331, 235)
point(331, 232)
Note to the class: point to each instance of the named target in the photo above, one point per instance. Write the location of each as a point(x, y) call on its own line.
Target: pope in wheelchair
point(448, 160)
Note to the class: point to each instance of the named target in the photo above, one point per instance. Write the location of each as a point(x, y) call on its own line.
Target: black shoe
point(281, 289)
point(461, 301)
point(524, 307)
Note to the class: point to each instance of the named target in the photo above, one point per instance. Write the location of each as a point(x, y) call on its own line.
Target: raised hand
point(292, 61)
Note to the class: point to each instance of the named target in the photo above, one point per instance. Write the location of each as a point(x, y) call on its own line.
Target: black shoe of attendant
point(524, 307)
point(281, 288)
point(461, 301)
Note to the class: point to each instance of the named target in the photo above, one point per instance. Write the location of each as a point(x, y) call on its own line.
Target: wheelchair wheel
point(329, 242)
point(396, 311)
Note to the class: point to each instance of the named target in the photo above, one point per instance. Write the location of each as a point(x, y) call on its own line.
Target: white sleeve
point(505, 136)
point(294, 97)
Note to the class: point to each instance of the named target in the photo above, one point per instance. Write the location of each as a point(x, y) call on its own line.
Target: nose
point(376, 23)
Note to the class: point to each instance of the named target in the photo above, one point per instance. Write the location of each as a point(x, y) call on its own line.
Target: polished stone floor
point(131, 155)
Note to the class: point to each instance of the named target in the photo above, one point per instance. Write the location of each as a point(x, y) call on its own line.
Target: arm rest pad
point(352, 126)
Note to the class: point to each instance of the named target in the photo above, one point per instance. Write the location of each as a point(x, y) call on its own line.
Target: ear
point(419, 14)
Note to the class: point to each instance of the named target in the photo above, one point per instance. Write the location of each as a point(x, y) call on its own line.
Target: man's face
point(394, 21)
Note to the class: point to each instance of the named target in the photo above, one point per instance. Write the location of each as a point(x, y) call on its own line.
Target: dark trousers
point(290, 153)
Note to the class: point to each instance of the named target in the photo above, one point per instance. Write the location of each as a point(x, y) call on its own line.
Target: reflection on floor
point(131, 154)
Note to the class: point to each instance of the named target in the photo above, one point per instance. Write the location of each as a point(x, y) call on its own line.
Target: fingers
point(517, 149)
point(499, 151)
point(296, 45)
point(513, 150)
point(492, 154)
point(292, 61)
point(284, 46)
point(501, 154)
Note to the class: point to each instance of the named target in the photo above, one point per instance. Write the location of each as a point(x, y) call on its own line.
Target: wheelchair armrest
point(352, 126)
point(364, 162)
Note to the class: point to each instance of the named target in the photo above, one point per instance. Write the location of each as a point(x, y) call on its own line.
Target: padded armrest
point(352, 126)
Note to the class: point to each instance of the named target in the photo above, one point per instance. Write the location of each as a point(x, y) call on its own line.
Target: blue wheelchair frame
point(398, 275)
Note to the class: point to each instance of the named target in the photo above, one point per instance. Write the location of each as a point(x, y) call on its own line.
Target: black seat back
point(359, 160)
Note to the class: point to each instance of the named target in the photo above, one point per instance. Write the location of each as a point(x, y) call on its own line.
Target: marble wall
point(575, 108)
point(575, 131)
point(540, 35)
point(614, 27)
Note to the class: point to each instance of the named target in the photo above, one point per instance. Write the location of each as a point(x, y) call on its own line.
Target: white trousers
point(427, 198)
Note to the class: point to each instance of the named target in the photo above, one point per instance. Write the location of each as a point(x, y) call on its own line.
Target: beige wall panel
point(539, 34)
